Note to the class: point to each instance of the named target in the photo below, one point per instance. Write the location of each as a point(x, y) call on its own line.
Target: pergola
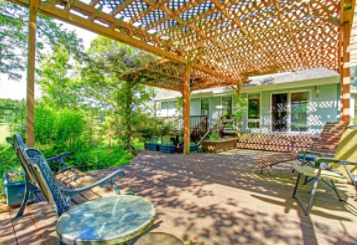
point(211, 43)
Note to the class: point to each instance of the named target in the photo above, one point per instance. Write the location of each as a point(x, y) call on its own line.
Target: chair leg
point(307, 180)
point(270, 167)
point(339, 196)
point(296, 185)
point(21, 211)
point(313, 191)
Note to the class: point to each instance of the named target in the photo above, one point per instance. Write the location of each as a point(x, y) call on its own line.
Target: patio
point(212, 199)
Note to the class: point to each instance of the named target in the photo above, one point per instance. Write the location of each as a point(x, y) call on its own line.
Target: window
point(299, 104)
point(253, 110)
point(227, 107)
point(171, 105)
point(163, 105)
point(204, 107)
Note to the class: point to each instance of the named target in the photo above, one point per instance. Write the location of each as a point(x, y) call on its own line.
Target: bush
point(8, 161)
point(99, 158)
point(214, 136)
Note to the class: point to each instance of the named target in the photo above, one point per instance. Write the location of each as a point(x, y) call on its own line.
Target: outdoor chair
point(38, 173)
point(325, 144)
point(342, 167)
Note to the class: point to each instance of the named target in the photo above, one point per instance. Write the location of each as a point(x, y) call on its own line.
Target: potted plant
point(15, 188)
point(193, 147)
point(153, 145)
point(168, 147)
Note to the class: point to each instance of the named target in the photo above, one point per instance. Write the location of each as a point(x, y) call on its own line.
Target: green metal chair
point(38, 173)
point(342, 167)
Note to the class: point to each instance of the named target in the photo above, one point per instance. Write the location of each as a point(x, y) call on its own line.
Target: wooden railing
point(210, 130)
point(199, 126)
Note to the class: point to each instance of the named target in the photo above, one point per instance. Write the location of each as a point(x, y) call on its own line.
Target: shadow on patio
point(215, 199)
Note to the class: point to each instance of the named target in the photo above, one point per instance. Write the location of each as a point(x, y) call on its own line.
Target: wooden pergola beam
point(186, 111)
point(31, 60)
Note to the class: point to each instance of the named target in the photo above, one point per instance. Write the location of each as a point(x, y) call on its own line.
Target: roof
point(291, 77)
point(228, 39)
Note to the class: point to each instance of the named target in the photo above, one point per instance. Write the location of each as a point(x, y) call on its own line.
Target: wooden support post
point(30, 100)
point(345, 75)
point(186, 99)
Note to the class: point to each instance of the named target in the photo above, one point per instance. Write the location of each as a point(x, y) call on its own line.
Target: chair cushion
point(325, 174)
point(308, 157)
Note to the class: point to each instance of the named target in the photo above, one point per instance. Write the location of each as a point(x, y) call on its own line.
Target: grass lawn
point(3, 133)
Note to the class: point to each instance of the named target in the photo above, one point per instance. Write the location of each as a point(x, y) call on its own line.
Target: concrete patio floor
point(222, 199)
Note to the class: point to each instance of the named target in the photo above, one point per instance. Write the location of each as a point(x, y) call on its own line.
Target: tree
point(14, 37)
point(123, 101)
point(56, 80)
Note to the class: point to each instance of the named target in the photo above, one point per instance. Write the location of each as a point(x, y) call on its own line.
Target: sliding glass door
point(279, 112)
point(299, 105)
point(289, 112)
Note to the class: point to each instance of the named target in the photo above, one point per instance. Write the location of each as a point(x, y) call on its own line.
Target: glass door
point(279, 112)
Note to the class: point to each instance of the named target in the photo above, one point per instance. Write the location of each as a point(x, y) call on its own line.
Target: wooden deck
point(210, 199)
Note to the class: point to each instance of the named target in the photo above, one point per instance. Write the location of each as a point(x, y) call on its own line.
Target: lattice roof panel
point(169, 75)
point(228, 39)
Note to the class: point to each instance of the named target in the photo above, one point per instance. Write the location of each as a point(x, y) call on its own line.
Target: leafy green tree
point(57, 83)
point(14, 21)
point(123, 101)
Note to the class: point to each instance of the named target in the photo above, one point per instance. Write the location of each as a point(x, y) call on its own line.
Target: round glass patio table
point(109, 220)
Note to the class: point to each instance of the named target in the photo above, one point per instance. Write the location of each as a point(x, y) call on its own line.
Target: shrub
point(214, 136)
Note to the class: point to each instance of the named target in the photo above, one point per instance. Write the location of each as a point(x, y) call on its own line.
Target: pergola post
point(30, 96)
point(186, 111)
point(345, 74)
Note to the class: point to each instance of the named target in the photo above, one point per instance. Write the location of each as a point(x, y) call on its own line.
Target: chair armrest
point(341, 162)
point(315, 153)
point(332, 160)
point(59, 158)
point(108, 180)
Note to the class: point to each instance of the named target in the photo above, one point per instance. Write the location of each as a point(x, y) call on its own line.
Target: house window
point(227, 106)
point(204, 107)
point(163, 105)
point(299, 104)
point(171, 105)
point(253, 110)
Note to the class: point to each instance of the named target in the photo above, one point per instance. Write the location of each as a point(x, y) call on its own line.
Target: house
point(297, 102)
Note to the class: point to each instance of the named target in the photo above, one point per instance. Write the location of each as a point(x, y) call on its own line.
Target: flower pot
point(152, 146)
point(167, 148)
point(193, 148)
point(15, 191)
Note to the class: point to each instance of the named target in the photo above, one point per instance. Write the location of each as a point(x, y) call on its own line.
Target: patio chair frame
point(38, 173)
point(321, 162)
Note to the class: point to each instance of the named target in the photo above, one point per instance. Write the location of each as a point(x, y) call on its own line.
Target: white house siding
point(323, 107)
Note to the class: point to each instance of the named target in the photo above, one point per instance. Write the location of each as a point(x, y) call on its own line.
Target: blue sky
point(17, 90)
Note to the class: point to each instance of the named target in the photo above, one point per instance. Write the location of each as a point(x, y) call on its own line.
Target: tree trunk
point(129, 112)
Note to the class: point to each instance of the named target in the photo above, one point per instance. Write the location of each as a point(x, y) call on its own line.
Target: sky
point(17, 89)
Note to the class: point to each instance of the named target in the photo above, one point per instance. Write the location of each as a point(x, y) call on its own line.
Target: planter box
point(167, 148)
point(219, 145)
point(152, 146)
point(193, 148)
point(15, 191)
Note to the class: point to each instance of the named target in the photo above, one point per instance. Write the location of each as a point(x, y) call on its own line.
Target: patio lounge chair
point(42, 177)
point(326, 144)
point(343, 168)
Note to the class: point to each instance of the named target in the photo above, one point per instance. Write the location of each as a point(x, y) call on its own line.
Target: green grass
point(3, 133)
